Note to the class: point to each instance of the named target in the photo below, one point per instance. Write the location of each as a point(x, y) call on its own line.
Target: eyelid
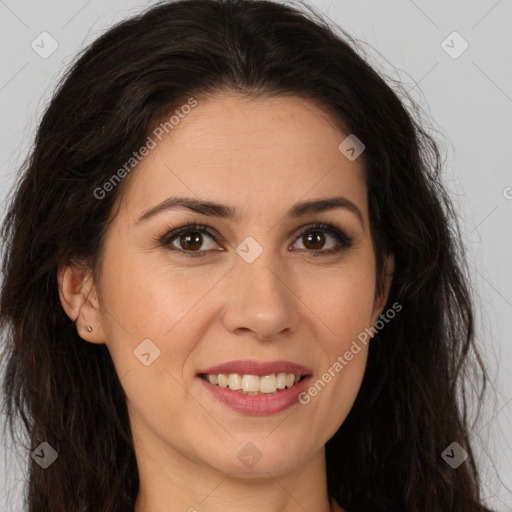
point(344, 240)
point(189, 226)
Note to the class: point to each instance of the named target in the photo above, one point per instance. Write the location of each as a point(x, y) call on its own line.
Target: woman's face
point(249, 287)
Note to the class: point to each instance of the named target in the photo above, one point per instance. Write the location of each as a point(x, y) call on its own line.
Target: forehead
point(247, 151)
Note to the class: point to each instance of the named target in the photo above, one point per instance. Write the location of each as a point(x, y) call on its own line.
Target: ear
point(79, 298)
point(381, 299)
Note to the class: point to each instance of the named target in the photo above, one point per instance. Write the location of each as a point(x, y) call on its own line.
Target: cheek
point(146, 297)
point(344, 300)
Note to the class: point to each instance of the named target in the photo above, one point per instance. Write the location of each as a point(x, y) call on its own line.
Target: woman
point(231, 280)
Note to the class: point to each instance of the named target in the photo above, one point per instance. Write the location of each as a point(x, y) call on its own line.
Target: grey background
point(469, 103)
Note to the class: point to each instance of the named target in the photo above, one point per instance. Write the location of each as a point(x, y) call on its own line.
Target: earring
point(88, 328)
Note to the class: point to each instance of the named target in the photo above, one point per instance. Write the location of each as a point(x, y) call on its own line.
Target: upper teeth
point(254, 383)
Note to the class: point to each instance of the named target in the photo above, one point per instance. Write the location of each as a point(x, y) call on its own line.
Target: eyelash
point(345, 241)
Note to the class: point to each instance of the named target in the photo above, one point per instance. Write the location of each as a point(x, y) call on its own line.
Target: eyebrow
point(213, 209)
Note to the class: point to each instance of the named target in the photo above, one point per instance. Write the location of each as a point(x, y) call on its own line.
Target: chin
point(257, 458)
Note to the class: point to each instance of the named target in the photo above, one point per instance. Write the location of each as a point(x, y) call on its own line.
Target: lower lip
point(258, 405)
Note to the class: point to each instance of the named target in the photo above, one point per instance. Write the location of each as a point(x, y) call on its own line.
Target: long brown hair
point(386, 456)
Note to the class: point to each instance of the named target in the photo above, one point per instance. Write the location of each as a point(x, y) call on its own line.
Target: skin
point(287, 304)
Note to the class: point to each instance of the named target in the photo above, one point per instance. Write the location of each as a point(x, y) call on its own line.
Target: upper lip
point(260, 368)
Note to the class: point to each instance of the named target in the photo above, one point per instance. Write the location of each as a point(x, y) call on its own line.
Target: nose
point(261, 300)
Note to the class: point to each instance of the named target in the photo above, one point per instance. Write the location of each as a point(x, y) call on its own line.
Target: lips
point(253, 367)
point(264, 402)
point(258, 405)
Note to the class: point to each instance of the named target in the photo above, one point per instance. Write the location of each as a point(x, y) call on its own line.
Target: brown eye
point(189, 240)
point(315, 237)
point(314, 240)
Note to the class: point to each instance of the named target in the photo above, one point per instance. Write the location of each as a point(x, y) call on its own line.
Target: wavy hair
point(386, 456)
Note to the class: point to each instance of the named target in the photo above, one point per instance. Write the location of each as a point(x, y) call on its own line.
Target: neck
point(168, 477)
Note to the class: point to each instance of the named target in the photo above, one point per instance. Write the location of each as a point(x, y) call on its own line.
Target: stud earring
point(88, 328)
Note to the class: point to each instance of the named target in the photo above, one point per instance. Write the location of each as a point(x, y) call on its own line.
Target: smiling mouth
point(247, 384)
